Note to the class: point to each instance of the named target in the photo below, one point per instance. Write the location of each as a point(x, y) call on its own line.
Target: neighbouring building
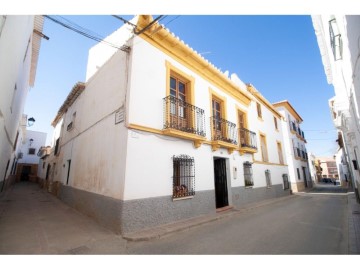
point(328, 167)
point(20, 38)
point(28, 160)
point(295, 148)
point(314, 168)
point(338, 40)
point(158, 134)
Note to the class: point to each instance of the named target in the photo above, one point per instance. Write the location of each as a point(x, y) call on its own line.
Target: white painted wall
point(14, 70)
point(39, 141)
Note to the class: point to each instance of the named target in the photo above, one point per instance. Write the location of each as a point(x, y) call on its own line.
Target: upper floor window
point(275, 123)
point(258, 107)
point(263, 146)
point(335, 39)
point(31, 151)
point(281, 158)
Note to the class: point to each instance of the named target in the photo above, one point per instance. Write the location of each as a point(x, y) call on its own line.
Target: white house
point(295, 148)
point(338, 38)
point(27, 158)
point(20, 38)
point(157, 134)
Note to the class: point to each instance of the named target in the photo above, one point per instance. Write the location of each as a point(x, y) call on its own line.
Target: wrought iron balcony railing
point(223, 130)
point(247, 138)
point(183, 116)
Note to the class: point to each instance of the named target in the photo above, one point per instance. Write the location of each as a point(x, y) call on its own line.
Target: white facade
point(295, 147)
point(116, 144)
point(30, 146)
point(18, 54)
point(338, 37)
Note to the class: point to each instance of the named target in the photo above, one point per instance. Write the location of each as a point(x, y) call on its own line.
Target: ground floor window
point(286, 181)
point(183, 176)
point(248, 175)
point(268, 178)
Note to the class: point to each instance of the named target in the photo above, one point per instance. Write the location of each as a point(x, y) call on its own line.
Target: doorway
point(305, 179)
point(220, 178)
point(26, 170)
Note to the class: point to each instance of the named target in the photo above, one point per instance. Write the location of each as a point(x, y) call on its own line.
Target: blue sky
point(278, 54)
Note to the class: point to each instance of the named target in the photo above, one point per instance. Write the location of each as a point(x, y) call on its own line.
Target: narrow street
point(33, 221)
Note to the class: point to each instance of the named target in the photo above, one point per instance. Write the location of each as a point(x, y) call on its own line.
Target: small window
point(286, 181)
point(31, 151)
point(248, 175)
point(268, 178)
point(183, 176)
point(258, 107)
point(298, 173)
point(263, 146)
point(57, 146)
point(281, 158)
point(276, 123)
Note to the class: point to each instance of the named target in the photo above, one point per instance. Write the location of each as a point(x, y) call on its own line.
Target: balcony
point(247, 141)
point(224, 134)
point(184, 120)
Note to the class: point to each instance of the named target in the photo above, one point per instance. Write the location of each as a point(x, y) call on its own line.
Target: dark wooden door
point(221, 192)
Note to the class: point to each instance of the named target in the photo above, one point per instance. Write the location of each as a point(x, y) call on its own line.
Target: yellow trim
point(268, 163)
point(220, 97)
point(190, 84)
point(215, 145)
point(166, 42)
point(143, 128)
point(279, 145)
point(286, 104)
point(197, 140)
point(238, 109)
point(262, 100)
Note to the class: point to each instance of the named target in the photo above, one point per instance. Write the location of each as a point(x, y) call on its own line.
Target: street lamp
point(31, 121)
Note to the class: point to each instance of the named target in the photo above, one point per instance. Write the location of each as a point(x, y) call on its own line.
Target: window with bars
point(286, 181)
point(31, 151)
point(268, 178)
point(335, 39)
point(248, 174)
point(183, 176)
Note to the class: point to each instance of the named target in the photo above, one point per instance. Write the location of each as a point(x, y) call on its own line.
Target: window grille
point(183, 176)
point(335, 40)
point(286, 181)
point(248, 174)
point(31, 151)
point(268, 178)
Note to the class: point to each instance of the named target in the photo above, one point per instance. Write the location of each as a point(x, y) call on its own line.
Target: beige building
point(328, 167)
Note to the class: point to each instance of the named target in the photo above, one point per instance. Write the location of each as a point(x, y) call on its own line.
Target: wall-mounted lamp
point(31, 141)
point(31, 121)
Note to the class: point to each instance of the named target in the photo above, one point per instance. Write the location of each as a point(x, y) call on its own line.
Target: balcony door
point(217, 116)
point(178, 115)
point(242, 124)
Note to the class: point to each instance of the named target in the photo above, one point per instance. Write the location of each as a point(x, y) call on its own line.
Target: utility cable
point(85, 32)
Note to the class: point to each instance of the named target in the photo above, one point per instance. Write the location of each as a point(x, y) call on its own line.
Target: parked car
point(326, 180)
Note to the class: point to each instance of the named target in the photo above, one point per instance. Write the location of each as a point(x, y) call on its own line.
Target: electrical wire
point(85, 32)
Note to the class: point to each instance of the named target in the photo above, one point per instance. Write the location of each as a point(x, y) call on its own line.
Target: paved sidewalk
point(33, 221)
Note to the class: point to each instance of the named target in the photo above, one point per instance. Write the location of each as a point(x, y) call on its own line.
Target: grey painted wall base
point(242, 196)
point(129, 216)
point(152, 212)
point(105, 210)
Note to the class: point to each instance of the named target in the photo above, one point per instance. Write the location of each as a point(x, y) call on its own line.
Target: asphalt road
point(310, 223)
